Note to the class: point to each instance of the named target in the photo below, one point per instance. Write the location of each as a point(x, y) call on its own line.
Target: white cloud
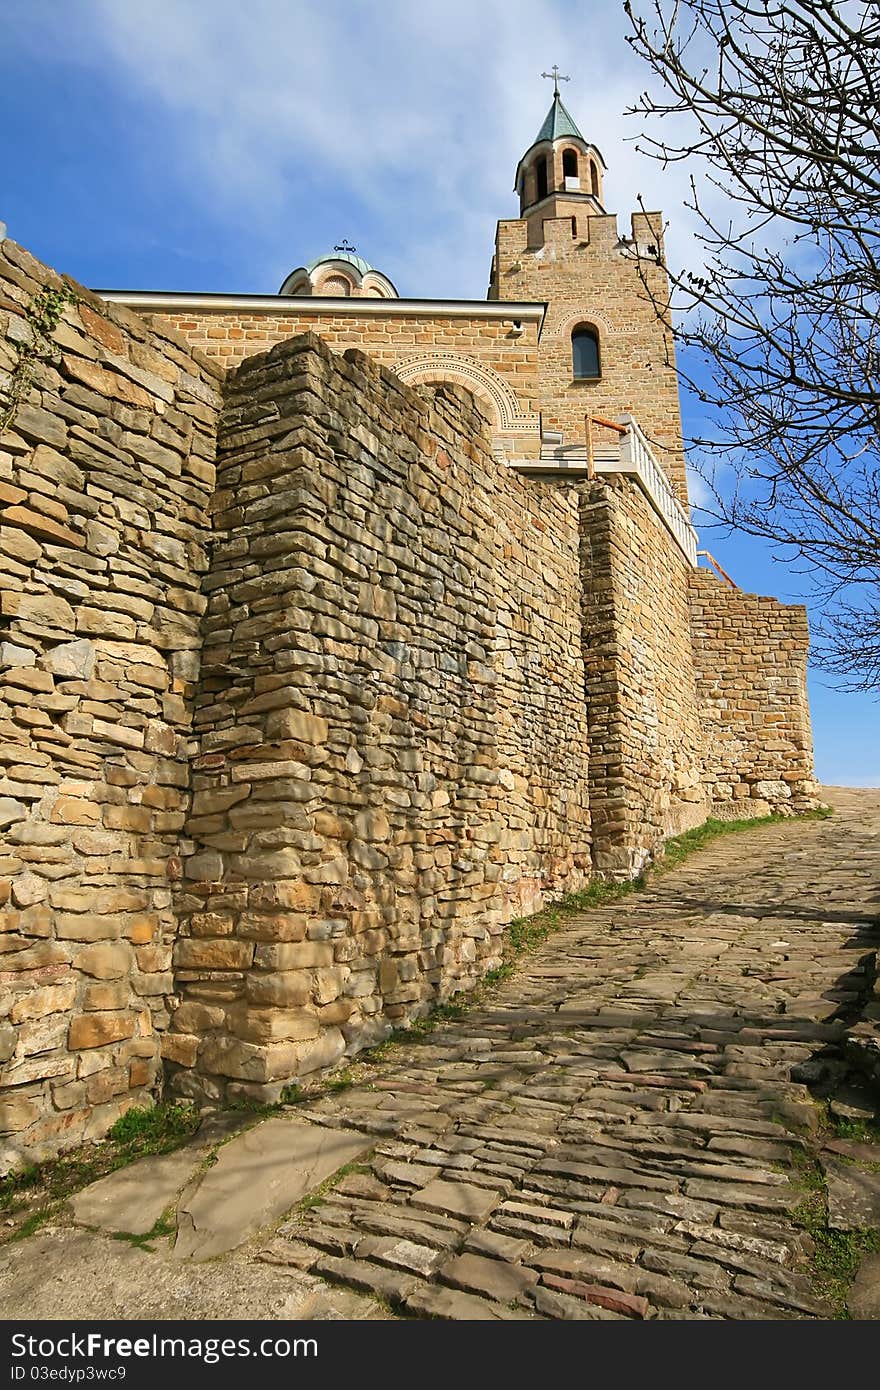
point(404, 121)
point(699, 492)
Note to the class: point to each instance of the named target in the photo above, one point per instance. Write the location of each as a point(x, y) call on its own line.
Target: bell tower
point(605, 350)
point(560, 174)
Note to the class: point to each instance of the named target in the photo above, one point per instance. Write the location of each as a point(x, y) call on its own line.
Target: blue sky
point(214, 145)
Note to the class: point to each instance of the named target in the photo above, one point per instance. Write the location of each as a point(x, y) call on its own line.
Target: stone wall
point(646, 743)
point(105, 475)
point(282, 752)
point(750, 656)
point(393, 739)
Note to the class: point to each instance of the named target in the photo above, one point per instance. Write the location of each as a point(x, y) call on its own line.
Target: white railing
point(637, 460)
point(630, 454)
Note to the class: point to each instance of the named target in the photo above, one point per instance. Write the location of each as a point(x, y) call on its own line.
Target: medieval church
point(339, 629)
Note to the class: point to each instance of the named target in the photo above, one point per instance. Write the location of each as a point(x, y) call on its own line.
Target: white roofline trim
point(307, 304)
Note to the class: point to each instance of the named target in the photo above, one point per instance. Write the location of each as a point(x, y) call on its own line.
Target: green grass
point(857, 1131)
point(32, 1223)
point(154, 1129)
point(164, 1226)
point(38, 1191)
point(836, 1255)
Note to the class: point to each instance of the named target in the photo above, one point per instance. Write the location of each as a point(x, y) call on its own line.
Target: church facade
point(339, 629)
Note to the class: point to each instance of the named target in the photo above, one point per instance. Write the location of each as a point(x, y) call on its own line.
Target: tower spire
point(557, 77)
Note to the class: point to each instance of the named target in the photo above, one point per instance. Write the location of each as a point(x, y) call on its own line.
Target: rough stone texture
point(567, 1179)
point(134, 1198)
point(646, 743)
point(283, 753)
point(105, 479)
point(393, 732)
point(750, 659)
point(853, 1196)
point(257, 1177)
point(863, 1302)
point(655, 1194)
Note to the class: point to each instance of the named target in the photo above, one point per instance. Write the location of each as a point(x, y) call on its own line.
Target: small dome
point(340, 274)
point(357, 261)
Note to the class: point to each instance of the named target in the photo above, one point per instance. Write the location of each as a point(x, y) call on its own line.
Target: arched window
point(585, 354)
point(569, 164)
point(541, 178)
point(594, 180)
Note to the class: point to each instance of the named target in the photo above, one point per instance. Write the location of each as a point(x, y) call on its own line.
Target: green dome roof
point(357, 261)
point(557, 124)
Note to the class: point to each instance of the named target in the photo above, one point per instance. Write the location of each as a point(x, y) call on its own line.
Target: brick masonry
point(284, 750)
point(591, 277)
point(647, 772)
point(750, 660)
point(393, 734)
point(107, 472)
point(485, 355)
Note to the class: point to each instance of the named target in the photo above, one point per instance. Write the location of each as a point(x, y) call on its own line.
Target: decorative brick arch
point(505, 409)
point(585, 314)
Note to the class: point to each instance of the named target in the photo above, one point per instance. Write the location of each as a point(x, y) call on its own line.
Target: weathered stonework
point(750, 658)
point(644, 715)
point(393, 735)
point(107, 471)
point(283, 750)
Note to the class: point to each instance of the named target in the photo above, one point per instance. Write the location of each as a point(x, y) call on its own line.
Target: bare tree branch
point(780, 321)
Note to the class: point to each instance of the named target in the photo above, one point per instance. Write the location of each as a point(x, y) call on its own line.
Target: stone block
point(105, 995)
point(104, 960)
point(38, 1003)
point(222, 953)
point(17, 1113)
point(298, 725)
point(98, 1029)
point(71, 660)
point(180, 1049)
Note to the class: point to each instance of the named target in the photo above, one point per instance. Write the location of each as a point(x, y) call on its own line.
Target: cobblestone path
point(617, 1134)
point(621, 1131)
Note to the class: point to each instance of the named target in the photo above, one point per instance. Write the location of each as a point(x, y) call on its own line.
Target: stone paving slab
point(853, 1196)
point(134, 1198)
point(258, 1176)
point(864, 1297)
point(618, 1133)
point(624, 1116)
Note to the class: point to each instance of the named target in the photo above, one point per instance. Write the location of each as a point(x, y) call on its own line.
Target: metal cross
point(344, 246)
point(557, 78)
